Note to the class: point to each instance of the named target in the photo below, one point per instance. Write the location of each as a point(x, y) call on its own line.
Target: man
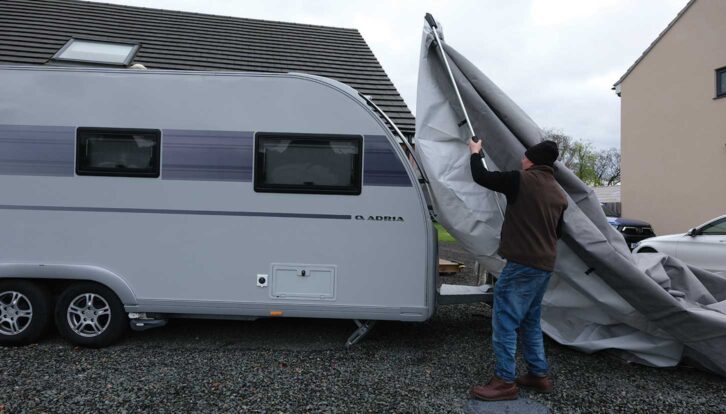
point(532, 225)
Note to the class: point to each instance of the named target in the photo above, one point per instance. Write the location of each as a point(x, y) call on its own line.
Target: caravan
point(142, 195)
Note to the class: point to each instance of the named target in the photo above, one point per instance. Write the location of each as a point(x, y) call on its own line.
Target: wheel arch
point(57, 272)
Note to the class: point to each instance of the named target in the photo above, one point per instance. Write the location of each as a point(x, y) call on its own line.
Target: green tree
point(593, 167)
point(584, 163)
point(608, 166)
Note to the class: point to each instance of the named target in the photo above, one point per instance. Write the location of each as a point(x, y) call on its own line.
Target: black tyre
point(647, 250)
point(91, 315)
point(25, 311)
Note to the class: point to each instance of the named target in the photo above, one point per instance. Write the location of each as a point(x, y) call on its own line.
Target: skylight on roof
point(92, 51)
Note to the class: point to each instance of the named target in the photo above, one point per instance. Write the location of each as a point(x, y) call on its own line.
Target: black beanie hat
point(544, 153)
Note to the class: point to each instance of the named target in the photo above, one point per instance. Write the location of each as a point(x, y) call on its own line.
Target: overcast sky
point(558, 59)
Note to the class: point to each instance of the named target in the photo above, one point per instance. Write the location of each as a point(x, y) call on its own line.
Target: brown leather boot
point(496, 390)
point(539, 384)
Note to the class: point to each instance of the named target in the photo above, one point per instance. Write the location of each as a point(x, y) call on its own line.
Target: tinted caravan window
point(118, 152)
point(318, 164)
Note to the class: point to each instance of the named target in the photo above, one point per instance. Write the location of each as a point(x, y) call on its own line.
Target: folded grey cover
point(650, 308)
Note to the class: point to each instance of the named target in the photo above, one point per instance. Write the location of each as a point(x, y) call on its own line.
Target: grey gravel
point(521, 405)
point(300, 365)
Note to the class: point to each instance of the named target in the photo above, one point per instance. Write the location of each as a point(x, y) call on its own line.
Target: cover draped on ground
point(651, 309)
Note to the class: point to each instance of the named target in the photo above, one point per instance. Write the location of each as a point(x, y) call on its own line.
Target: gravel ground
point(300, 365)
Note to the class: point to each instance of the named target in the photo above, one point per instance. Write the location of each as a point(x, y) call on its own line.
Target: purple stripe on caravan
point(228, 156)
point(206, 155)
point(37, 150)
point(382, 165)
point(186, 155)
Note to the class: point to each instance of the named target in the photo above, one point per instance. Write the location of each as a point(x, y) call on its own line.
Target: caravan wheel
point(91, 315)
point(24, 312)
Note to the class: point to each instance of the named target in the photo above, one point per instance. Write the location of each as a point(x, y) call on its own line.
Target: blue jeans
point(518, 296)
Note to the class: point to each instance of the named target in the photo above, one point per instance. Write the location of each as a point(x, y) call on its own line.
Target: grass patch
point(444, 236)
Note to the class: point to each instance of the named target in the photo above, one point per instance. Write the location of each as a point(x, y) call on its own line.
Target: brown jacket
point(533, 219)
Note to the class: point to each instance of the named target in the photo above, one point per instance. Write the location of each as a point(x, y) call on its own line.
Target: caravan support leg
point(363, 328)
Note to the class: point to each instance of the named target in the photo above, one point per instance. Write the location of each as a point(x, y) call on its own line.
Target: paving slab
point(518, 406)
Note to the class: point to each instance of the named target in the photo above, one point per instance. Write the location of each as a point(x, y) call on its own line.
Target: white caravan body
point(198, 239)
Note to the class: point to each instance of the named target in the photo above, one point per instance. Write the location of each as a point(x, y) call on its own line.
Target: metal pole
point(430, 19)
point(432, 23)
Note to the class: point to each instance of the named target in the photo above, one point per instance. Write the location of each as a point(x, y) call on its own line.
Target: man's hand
point(475, 147)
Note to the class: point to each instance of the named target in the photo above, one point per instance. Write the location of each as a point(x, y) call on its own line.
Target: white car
point(703, 246)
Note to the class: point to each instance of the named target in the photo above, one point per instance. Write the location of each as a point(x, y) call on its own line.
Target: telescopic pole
point(432, 23)
point(430, 20)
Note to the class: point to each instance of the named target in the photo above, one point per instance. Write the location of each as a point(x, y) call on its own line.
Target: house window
point(117, 152)
point(317, 164)
point(720, 82)
point(91, 51)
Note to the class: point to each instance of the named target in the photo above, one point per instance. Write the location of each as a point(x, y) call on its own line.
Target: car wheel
point(90, 315)
point(647, 250)
point(24, 312)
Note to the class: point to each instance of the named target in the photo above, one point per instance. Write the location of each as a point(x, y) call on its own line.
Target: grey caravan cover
point(651, 309)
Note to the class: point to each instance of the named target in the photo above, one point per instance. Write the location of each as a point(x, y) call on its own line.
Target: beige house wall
point(673, 132)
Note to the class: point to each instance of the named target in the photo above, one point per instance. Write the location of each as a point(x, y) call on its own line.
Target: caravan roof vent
point(93, 51)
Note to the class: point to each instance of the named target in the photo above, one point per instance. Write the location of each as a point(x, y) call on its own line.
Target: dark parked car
point(634, 231)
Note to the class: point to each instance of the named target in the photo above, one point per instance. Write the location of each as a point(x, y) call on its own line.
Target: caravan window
point(117, 152)
point(318, 164)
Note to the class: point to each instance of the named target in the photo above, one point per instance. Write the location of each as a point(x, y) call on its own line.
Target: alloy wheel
point(89, 315)
point(16, 312)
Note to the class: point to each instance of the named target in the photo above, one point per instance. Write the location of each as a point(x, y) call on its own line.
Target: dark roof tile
point(32, 31)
